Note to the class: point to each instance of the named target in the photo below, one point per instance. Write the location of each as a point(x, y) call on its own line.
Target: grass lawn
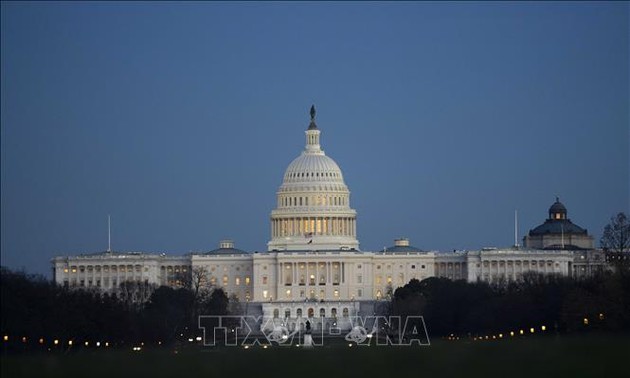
point(553, 356)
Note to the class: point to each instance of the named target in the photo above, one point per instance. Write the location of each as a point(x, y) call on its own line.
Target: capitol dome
point(313, 211)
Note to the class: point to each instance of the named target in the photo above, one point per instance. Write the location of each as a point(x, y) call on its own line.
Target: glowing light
point(601, 316)
point(494, 337)
point(98, 343)
point(369, 336)
point(531, 330)
point(106, 344)
point(246, 347)
point(543, 328)
point(585, 321)
point(521, 332)
point(350, 345)
point(70, 342)
point(500, 335)
point(24, 339)
point(198, 338)
point(190, 340)
point(511, 333)
point(41, 340)
point(56, 342)
point(87, 343)
point(264, 346)
point(5, 338)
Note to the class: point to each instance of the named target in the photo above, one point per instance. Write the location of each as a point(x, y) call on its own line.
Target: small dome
point(226, 247)
point(557, 207)
point(401, 246)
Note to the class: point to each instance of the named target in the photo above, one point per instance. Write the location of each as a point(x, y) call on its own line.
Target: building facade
point(313, 268)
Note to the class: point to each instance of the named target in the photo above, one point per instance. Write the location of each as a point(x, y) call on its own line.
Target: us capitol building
point(313, 266)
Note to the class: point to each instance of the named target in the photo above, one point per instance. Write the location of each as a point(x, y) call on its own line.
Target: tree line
point(559, 303)
point(36, 311)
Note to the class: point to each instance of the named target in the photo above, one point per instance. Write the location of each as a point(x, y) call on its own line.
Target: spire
point(312, 125)
point(312, 136)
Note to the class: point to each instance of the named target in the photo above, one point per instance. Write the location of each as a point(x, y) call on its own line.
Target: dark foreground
point(574, 356)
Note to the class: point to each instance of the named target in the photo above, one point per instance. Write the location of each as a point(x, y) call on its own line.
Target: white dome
point(310, 168)
point(313, 203)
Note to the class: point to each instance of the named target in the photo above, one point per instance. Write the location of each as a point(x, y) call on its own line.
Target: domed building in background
point(558, 232)
point(313, 269)
point(313, 209)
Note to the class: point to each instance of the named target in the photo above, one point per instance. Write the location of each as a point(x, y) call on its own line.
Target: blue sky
point(178, 119)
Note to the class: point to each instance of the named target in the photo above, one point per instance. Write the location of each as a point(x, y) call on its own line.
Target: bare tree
point(199, 282)
point(616, 237)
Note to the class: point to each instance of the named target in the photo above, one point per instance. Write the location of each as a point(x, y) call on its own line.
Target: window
point(359, 293)
point(225, 280)
point(287, 313)
point(237, 281)
point(246, 280)
point(359, 279)
point(423, 266)
point(298, 313)
point(336, 293)
point(276, 313)
point(322, 313)
point(265, 294)
point(264, 280)
point(345, 312)
point(288, 293)
point(379, 280)
point(311, 312)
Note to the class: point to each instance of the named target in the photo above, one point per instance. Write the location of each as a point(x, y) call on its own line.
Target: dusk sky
point(179, 119)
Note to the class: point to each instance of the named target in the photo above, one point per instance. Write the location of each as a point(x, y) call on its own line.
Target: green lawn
point(574, 356)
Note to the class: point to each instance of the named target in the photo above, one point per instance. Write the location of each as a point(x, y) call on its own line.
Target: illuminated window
point(246, 280)
point(237, 281)
point(265, 293)
point(288, 293)
point(389, 279)
point(378, 280)
point(65, 270)
point(336, 293)
point(225, 280)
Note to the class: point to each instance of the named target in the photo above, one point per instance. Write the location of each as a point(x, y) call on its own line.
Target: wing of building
point(313, 266)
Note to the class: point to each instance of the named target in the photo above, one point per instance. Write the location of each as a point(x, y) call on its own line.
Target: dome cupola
point(557, 210)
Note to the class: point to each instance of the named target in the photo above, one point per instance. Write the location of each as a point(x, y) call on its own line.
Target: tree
point(616, 237)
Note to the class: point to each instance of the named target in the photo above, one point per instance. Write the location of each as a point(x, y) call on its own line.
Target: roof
point(227, 251)
point(558, 226)
point(401, 249)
